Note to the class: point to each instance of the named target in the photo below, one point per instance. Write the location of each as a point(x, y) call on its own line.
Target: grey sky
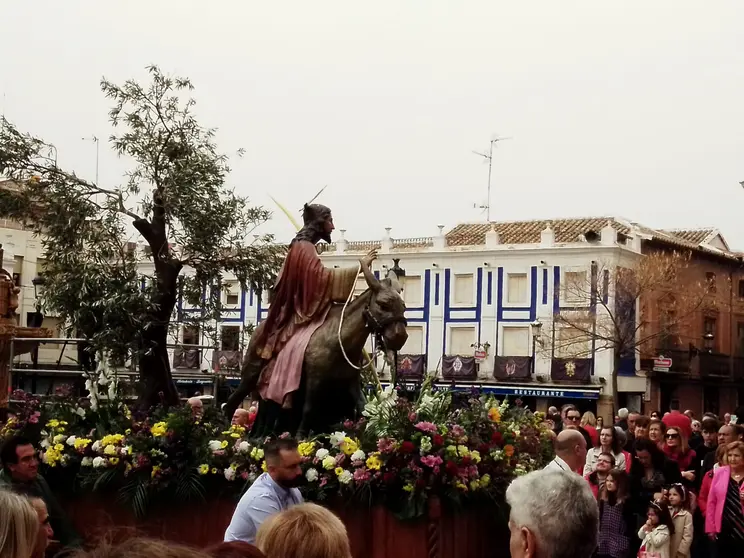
point(629, 108)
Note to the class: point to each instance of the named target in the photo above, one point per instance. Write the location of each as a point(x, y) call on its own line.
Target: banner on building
point(512, 368)
point(226, 361)
point(459, 367)
point(411, 367)
point(186, 358)
point(571, 369)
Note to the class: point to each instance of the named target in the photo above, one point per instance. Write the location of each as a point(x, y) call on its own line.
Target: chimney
point(608, 235)
point(387, 241)
point(492, 237)
point(341, 243)
point(634, 242)
point(440, 242)
point(547, 237)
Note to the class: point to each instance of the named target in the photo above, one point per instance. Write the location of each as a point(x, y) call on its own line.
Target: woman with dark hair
point(616, 520)
point(608, 443)
point(650, 473)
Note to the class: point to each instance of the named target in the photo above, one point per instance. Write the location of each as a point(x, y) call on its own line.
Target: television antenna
point(488, 155)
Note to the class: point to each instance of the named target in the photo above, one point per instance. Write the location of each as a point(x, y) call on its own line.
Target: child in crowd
point(656, 533)
point(679, 503)
point(616, 518)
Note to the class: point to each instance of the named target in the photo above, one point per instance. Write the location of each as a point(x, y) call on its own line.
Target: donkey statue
point(330, 389)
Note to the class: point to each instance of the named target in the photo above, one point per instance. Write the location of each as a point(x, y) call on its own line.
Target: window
point(461, 341)
point(232, 294)
point(190, 335)
point(710, 279)
point(571, 342)
point(575, 286)
point(415, 342)
point(516, 287)
point(464, 290)
point(230, 338)
point(412, 293)
point(710, 326)
point(516, 341)
point(667, 329)
point(711, 400)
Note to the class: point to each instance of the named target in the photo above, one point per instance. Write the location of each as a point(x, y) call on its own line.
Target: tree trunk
point(157, 387)
point(613, 383)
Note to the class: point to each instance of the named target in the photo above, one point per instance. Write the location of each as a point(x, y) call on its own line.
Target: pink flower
point(385, 445)
point(323, 481)
point(340, 458)
point(361, 475)
point(412, 416)
point(457, 431)
point(244, 475)
point(348, 424)
point(427, 427)
point(431, 460)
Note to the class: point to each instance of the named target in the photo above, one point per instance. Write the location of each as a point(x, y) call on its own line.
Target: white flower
point(425, 444)
point(229, 474)
point(322, 453)
point(329, 462)
point(44, 443)
point(311, 475)
point(71, 440)
point(337, 438)
point(243, 447)
point(109, 450)
point(96, 446)
point(215, 445)
point(346, 477)
point(86, 462)
point(358, 455)
point(99, 462)
point(80, 411)
point(126, 450)
point(59, 438)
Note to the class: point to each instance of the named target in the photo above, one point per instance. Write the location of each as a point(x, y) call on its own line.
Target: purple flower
point(427, 427)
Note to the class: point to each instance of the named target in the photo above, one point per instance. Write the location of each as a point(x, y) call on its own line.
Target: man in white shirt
point(272, 492)
point(570, 452)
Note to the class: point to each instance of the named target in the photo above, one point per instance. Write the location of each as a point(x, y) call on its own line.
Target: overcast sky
point(631, 108)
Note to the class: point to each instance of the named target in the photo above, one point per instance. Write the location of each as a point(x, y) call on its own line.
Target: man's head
point(726, 434)
point(622, 414)
point(632, 417)
point(45, 528)
point(570, 446)
point(571, 417)
point(727, 418)
point(19, 460)
point(197, 407)
point(241, 417)
point(283, 462)
point(674, 405)
point(709, 428)
point(553, 515)
point(552, 410)
point(318, 219)
point(689, 414)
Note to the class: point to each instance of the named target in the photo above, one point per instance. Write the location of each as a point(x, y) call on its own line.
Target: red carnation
point(407, 447)
point(497, 438)
point(466, 460)
point(451, 468)
point(437, 439)
point(483, 448)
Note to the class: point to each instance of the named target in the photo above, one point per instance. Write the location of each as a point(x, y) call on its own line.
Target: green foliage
point(175, 196)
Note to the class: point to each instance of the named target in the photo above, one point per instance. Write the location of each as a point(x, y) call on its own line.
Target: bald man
point(197, 407)
point(241, 417)
point(570, 452)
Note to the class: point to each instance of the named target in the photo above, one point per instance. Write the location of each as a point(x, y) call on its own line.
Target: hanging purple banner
point(459, 367)
point(226, 361)
point(186, 358)
point(513, 368)
point(411, 367)
point(571, 369)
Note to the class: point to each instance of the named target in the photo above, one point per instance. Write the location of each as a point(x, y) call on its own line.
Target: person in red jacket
point(679, 420)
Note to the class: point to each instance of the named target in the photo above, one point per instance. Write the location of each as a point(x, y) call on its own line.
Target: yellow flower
point(159, 429)
point(235, 435)
point(63, 422)
point(408, 487)
point(214, 470)
point(349, 446)
point(81, 443)
point(155, 471)
point(114, 460)
point(475, 456)
point(203, 469)
point(485, 480)
point(257, 454)
point(264, 468)
point(54, 423)
point(328, 462)
point(128, 431)
point(494, 414)
point(306, 448)
point(461, 486)
point(339, 471)
point(224, 444)
point(463, 451)
point(109, 450)
point(112, 439)
point(373, 462)
point(59, 447)
point(474, 485)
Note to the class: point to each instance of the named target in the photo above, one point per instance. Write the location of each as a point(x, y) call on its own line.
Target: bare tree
point(629, 310)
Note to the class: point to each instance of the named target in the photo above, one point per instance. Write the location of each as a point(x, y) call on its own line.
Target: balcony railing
point(715, 365)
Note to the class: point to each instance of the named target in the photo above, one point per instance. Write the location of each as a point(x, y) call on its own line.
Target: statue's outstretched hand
point(369, 258)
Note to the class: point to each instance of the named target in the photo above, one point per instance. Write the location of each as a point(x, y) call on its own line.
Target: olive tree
point(174, 197)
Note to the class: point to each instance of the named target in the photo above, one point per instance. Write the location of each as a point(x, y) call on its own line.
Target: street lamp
point(536, 328)
point(708, 338)
point(399, 271)
point(37, 317)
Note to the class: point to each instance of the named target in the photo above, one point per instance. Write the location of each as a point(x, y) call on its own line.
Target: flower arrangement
point(399, 453)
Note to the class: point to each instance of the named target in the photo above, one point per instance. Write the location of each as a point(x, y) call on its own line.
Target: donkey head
point(386, 314)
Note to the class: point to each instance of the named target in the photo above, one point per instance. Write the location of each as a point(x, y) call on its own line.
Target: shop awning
point(521, 390)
